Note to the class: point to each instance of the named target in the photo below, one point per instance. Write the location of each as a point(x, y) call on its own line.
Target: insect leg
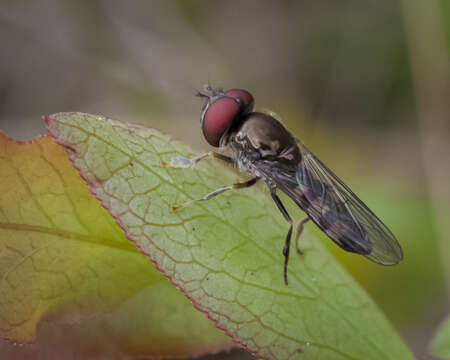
point(219, 191)
point(287, 243)
point(299, 232)
point(182, 162)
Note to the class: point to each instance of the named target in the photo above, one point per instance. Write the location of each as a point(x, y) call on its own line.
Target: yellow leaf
point(64, 259)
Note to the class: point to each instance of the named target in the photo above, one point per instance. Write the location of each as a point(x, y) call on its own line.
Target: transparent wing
point(342, 215)
point(333, 207)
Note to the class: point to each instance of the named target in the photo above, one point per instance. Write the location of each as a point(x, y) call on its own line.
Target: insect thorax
point(258, 139)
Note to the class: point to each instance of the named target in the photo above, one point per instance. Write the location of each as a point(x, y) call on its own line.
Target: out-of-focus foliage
point(440, 346)
point(344, 76)
point(341, 63)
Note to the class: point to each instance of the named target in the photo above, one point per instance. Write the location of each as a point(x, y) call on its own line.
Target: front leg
point(182, 162)
point(299, 232)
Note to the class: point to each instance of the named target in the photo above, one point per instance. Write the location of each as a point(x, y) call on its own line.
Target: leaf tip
point(48, 125)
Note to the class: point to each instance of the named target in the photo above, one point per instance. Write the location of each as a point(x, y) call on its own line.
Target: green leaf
point(64, 259)
point(440, 345)
point(225, 254)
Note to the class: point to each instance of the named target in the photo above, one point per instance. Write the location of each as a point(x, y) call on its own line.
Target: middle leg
point(299, 232)
point(287, 243)
point(219, 191)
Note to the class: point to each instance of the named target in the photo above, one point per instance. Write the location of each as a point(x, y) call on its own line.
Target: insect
point(264, 149)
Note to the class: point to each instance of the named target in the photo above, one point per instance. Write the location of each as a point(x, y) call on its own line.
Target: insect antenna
point(201, 95)
point(214, 92)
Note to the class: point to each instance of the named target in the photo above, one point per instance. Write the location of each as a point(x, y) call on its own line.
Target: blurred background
point(365, 84)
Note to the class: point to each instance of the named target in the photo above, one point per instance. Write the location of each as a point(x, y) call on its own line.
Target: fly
point(265, 150)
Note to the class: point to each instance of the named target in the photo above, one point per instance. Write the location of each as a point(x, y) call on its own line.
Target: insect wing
point(342, 215)
point(285, 179)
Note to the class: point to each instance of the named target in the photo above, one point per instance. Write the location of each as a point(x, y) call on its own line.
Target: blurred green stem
point(429, 60)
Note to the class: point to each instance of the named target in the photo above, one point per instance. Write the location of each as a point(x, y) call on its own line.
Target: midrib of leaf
point(173, 184)
point(93, 240)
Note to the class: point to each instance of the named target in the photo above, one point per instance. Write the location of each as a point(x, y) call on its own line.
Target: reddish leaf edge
point(71, 154)
point(12, 341)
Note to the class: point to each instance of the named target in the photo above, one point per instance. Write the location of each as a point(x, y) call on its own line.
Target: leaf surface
point(63, 259)
point(440, 345)
point(226, 253)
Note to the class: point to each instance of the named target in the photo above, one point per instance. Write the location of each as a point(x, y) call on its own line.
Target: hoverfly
point(264, 149)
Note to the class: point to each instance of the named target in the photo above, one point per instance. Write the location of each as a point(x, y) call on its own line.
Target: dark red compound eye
point(218, 117)
point(244, 97)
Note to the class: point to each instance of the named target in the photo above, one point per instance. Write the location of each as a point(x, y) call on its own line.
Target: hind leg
point(299, 232)
point(287, 242)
